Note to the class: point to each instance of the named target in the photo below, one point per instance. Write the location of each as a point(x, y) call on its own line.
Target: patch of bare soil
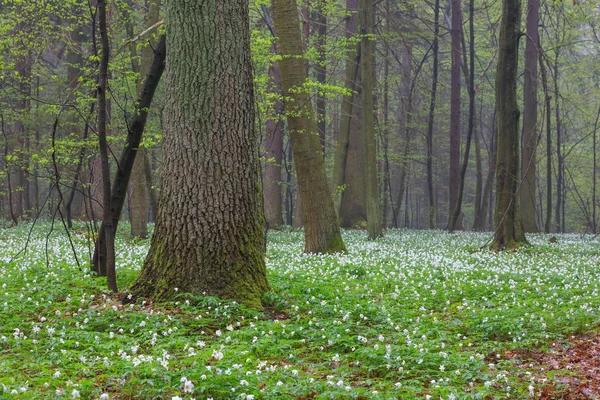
point(571, 371)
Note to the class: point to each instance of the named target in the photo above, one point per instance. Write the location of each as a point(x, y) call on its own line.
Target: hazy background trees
point(426, 70)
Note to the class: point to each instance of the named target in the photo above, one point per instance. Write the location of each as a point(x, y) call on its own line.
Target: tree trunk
point(548, 105)
point(431, 118)
point(321, 70)
point(209, 235)
point(479, 178)
point(508, 228)
point(274, 153)
point(322, 233)
point(140, 186)
point(456, 214)
point(454, 181)
point(354, 203)
point(560, 161)
point(594, 192)
point(109, 227)
point(530, 127)
point(368, 120)
point(347, 111)
point(127, 157)
point(386, 130)
point(486, 200)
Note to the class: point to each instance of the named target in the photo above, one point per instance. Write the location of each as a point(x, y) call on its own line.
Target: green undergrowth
point(411, 315)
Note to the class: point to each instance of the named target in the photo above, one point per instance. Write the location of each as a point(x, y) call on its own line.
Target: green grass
point(412, 315)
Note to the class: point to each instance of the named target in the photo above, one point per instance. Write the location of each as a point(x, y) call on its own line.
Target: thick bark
point(127, 157)
point(347, 111)
point(454, 180)
point(368, 120)
point(530, 126)
point(322, 233)
point(109, 228)
point(508, 232)
point(431, 118)
point(274, 154)
point(208, 236)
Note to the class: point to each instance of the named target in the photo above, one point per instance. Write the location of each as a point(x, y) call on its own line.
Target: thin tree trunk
point(594, 221)
point(456, 214)
point(141, 186)
point(431, 118)
point(530, 126)
point(321, 71)
point(487, 200)
point(560, 166)
point(479, 179)
point(322, 233)
point(274, 153)
point(386, 130)
point(367, 120)
point(508, 229)
point(109, 228)
point(455, 114)
point(347, 110)
point(127, 157)
point(548, 105)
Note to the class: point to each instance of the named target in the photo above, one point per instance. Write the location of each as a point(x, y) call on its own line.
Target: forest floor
point(416, 314)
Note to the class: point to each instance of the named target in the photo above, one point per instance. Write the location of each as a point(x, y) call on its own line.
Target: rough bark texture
point(322, 233)
point(454, 182)
point(368, 121)
point(274, 154)
point(530, 126)
point(208, 237)
point(508, 232)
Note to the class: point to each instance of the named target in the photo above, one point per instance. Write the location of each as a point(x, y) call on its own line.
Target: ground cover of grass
point(413, 315)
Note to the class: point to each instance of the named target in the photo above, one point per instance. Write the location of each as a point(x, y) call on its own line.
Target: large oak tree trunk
point(508, 233)
point(322, 233)
point(209, 236)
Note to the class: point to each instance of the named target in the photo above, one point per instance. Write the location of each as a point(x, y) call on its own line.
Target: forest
point(298, 199)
